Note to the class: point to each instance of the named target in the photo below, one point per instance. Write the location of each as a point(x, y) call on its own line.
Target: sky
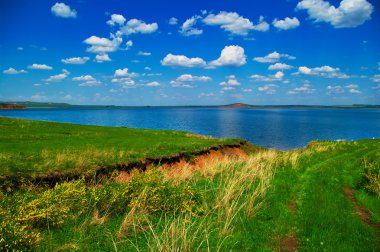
point(190, 52)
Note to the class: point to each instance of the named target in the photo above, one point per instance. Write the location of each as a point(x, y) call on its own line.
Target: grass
point(254, 202)
point(37, 147)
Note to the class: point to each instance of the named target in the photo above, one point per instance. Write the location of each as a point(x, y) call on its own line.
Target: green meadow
point(325, 197)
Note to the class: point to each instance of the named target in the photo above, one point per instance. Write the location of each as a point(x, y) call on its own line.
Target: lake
point(279, 128)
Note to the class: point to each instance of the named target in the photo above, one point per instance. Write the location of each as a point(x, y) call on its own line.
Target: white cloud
point(273, 57)
point(63, 10)
point(185, 80)
point(144, 53)
point(230, 56)
point(268, 89)
point(247, 90)
point(325, 71)
point(102, 45)
point(100, 58)
point(192, 78)
point(354, 91)
point(262, 78)
point(84, 78)
point(231, 81)
point(116, 19)
point(90, 83)
point(350, 13)
point(38, 97)
point(306, 88)
point(75, 60)
point(205, 94)
point(147, 68)
point(134, 26)
point(376, 78)
point(129, 44)
point(228, 88)
point(351, 86)
point(182, 61)
point(279, 75)
point(58, 77)
point(121, 72)
point(173, 21)
point(67, 97)
point(234, 23)
point(335, 89)
point(153, 84)
point(40, 67)
point(187, 28)
point(286, 24)
point(280, 66)
point(11, 70)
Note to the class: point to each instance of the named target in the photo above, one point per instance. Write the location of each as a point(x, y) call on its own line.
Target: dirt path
point(363, 213)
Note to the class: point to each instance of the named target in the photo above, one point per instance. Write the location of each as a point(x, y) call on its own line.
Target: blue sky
point(190, 52)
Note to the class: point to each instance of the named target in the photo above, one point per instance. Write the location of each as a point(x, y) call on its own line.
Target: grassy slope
point(246, 206)
point(32, 147)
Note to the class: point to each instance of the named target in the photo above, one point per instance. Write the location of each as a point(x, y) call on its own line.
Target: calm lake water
point(279, 128)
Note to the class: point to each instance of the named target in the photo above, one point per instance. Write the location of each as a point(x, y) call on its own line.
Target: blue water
point(280, 128)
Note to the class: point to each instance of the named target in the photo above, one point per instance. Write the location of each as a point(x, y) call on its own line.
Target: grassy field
point(37, 147)
point(325, 197)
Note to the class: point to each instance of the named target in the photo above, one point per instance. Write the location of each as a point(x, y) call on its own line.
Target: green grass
point(251, 203)
point(37, 147)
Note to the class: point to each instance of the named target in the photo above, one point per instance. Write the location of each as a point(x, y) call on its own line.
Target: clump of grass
point(371, 175)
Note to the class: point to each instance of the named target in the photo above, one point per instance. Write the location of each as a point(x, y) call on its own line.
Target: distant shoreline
point(40, 105)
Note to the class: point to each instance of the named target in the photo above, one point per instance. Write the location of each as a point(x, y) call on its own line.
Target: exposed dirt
point(289, 244)
point(196, 158)
point(363, 213)
point(292, 207)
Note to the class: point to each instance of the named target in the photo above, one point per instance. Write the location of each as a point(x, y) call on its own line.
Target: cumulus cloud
point(228, 89)
point(153, 84)
point(306, 88)
point(279, 75)
point(234, 23)
point(100, 58)
point(87, 81)
point(182, 61)
point(230, 56)
point(173, 21)
point(121, 72)
point(116, 19)
point(286, 24)
point(144, 53)
point(268, 89)
point(187, 28)
point(273, 57)
point(63, 10)
point(75, 60)
point(280, 66)
point(205, 94)
point(58, 77)
point(185, 80)
point(325, 71)
point(11, 70)
point(134, 26)
point(40, 67)
point(102, 45)
point(231, 81)
point(350, 13)
point(84, 78)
